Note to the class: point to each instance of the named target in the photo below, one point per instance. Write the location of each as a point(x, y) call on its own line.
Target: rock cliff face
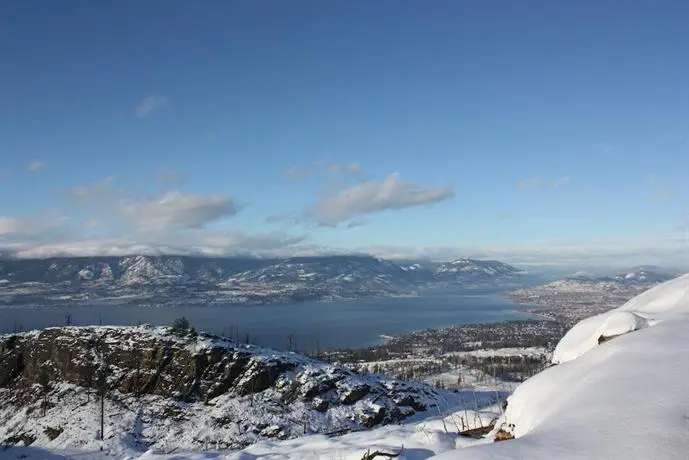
point(167, 385)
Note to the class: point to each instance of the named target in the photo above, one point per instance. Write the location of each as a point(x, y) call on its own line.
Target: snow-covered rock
point(173, 390)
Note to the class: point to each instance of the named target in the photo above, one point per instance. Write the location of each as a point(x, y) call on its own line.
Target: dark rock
point(352, 395)
point(53, 433)
point(321, 405)
point(152, 363)
point(409, 401)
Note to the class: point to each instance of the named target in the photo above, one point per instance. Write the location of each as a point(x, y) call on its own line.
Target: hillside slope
point(617, 390)
point(623, 398)
point(168, 391)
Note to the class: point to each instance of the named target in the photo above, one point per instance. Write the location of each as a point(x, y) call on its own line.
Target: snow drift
point(623, 398)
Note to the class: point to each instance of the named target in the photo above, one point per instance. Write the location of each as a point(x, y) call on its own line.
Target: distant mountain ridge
point(467, 270)
point(196, 279)
point(643, 274)
point(464, 271)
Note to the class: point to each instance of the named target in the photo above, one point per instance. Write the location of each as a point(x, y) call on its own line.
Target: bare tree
point(89, 373)
point(102, 391)
point(371, 455)
point(44, 381)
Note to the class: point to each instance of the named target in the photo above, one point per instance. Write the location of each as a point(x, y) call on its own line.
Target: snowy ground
point(416, 441)
point(617, 391)
point(502, 352)
point(623, 398)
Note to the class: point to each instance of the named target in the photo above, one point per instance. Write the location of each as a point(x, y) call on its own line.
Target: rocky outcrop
point(202, 371)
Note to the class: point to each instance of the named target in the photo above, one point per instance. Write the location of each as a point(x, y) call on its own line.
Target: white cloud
point(221, 242)
point(669, 250)
point(176, 211)
point(320, 166)
point(115, 208)
point(374, 196)
point(217, 244)
point(281, 218)
point(150, 104)
point(34, 166)
point(356, 223)
point(96, 192)
point(345, 168)
point(14, 227)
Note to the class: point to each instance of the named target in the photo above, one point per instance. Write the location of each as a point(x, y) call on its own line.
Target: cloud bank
point(666, 250)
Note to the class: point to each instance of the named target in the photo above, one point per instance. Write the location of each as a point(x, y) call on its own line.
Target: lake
point(355, 323)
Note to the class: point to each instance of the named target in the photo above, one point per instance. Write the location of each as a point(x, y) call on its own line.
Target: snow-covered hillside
point(169, 390)
point(618, 389)
point(623, 398)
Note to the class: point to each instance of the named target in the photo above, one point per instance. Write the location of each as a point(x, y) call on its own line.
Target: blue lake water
point(354, 323)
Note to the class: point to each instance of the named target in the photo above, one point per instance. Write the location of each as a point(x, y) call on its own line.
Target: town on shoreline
point(506, 351)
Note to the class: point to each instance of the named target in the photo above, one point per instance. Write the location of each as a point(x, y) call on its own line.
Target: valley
point(163, 390)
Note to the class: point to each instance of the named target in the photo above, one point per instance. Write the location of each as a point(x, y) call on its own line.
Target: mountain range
point(639, 275)
point(157, 280)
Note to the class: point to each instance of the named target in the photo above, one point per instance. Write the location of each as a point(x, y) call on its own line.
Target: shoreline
point(541, 316)
point(480, 314)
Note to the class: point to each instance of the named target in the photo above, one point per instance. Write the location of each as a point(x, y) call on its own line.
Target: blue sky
point(532, 131)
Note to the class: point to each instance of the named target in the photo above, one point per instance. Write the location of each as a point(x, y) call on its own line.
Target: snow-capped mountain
point(642, 275)
point(168, 279)
point(467, 271)
point(342, 271)
point(138, 269)
point(646, 275)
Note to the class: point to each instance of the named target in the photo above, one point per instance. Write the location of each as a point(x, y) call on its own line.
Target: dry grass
point(503, 435)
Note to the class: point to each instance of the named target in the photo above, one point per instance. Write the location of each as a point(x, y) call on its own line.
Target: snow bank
point(590, 332)
point(652, 305)
point(626, 398)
